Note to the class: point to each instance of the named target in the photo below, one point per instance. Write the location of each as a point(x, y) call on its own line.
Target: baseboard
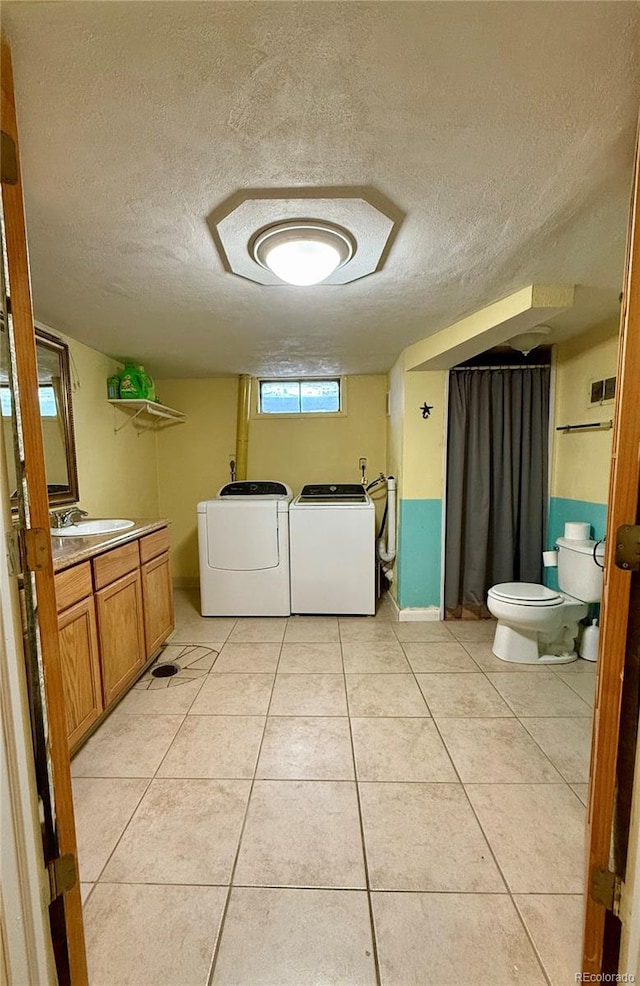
point(186, 583)
point(415, 614)
point(428, 613)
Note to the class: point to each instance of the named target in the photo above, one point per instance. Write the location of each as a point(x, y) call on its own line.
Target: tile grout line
point(544, 752)
point(120, 837)
point(147, 786)
point(512, 895)
point(532, 737)
point(337, 890)
point(541, 748)
point(223, 917)
point(329, 780)
point(575, 692)
point(374, 939)
point(486, 838)
point(184, 718)
point(267, 716)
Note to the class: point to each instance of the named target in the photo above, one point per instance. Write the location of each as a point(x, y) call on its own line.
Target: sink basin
point(92, 528)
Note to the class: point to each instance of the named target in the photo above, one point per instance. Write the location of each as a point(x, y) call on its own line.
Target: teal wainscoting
point(419, 546)
point(561, 510)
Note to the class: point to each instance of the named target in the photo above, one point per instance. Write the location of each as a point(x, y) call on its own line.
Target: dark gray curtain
point(496, 482)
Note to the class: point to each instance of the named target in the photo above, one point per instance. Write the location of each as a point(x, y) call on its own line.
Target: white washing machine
point(332, 530)
point(243, 540)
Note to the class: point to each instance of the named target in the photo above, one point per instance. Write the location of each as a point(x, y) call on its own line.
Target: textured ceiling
point(503, 131)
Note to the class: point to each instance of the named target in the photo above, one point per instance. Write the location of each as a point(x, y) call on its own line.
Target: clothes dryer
point(243, 542)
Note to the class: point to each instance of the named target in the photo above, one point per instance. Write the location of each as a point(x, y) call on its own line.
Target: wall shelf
point(149, 412)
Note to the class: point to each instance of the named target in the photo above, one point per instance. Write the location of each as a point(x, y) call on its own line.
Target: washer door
point(242, 537)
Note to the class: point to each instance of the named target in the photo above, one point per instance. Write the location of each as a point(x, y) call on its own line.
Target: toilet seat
point(527, 594)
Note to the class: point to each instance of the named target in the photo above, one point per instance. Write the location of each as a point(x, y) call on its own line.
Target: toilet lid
point(527, 593)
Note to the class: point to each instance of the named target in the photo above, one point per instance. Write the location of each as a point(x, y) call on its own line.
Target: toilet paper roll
point(550, 559)
point(577, 531)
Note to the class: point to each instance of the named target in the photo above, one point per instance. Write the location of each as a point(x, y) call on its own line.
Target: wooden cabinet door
point(78, 642)
point(157, 593)
point(121, 634)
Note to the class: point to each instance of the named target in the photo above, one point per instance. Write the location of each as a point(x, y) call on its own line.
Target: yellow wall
point(117, 474)
point(165, 473)
point(416, 444)
point(424, 438)
point(490, 326)
point(151, 474)
point(193, 459)
point(305, 449)
point(416, 449)
point(395, 423)
point(581, 461)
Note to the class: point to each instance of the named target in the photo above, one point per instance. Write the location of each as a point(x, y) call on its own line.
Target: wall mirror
point(56, 414)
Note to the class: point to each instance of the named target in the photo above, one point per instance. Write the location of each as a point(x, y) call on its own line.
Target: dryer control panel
point(333, 493)
point(255, 487)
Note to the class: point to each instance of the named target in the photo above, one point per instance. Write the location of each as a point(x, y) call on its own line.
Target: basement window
point(319, 396)
point(48, 407)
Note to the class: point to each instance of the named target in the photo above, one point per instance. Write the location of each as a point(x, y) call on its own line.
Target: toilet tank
point(578, 574)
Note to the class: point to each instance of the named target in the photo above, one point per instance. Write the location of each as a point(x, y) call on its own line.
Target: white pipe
point(387, 550)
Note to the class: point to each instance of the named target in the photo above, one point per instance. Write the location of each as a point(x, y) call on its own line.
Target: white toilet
point(537, 625)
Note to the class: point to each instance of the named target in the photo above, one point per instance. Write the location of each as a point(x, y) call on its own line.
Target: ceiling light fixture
point(527, 341)
point(302, 251)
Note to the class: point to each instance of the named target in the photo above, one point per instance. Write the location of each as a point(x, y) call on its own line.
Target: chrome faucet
point(66, 518)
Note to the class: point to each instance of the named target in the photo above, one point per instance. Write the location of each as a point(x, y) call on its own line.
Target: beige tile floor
point(336, 802)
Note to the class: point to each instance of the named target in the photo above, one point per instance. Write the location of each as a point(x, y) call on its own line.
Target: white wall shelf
point(148, 413)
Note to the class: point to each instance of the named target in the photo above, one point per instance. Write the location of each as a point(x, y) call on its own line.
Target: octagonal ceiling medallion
point(371, 219)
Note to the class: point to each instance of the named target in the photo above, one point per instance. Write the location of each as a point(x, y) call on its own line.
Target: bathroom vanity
point(115, 610)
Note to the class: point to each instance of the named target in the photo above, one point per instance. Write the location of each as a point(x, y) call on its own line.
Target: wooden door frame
point(622, 509)
point(629, 911)
point(24, 925)
point(19, 287)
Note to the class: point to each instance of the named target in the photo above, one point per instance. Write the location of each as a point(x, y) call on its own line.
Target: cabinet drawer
point(114, 564)
point(154, 544)
point(73, 584)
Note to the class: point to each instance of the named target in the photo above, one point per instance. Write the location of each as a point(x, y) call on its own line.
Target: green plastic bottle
point(149, 384)
point(132, 383)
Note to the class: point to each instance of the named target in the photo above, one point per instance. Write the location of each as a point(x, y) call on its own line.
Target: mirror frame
point(56, 345)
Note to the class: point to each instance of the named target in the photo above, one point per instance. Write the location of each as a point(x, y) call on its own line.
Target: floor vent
point(165, 670)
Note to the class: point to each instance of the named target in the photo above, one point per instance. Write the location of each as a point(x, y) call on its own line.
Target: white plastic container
point(577, 531)
point(590, 641)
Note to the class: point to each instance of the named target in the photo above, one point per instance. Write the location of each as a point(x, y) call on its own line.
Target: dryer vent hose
point(387, 549)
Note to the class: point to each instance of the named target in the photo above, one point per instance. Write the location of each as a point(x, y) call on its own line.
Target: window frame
point(297, 415)
point(5, 411)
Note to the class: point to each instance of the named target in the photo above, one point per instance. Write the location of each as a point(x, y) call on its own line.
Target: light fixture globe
point(527, 341)
point(303, 252)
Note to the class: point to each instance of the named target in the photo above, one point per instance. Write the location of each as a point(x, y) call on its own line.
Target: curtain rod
point(507, 366)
